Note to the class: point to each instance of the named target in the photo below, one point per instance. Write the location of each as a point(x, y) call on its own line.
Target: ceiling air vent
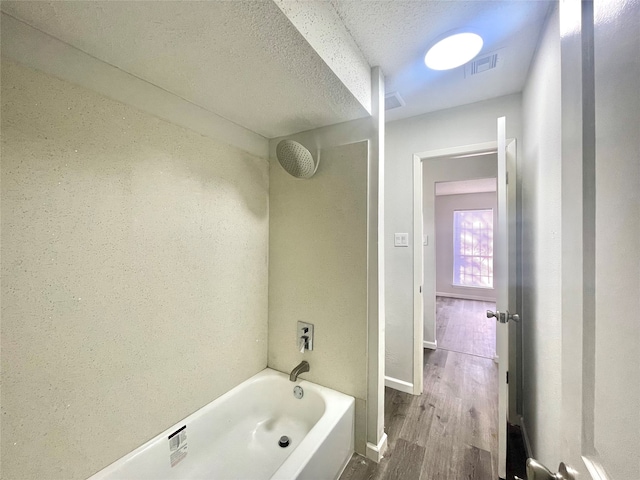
point(393, 100)
point(482, 64)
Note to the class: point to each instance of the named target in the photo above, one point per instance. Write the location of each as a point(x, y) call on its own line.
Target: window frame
point(457, 255)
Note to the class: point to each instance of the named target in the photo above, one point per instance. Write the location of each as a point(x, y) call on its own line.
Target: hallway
point(450, 431)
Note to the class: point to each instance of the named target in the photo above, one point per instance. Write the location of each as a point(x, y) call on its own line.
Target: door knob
point(537, 471)
point(503, 317)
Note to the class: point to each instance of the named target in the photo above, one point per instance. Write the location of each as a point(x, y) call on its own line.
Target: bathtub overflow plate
point(298, 392)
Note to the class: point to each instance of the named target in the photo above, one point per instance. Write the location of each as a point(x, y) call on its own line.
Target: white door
point(504, 283)
point(600, 49)
point(600, 237)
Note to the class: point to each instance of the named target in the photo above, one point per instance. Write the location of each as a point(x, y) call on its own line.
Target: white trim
point(399, 385)
point(501, 282)
point(525, 438)
point(596, 470)
point(418, 278)
point(457, 285)
point(464, 296)
point(465, 149)
point(36, 49)
point(376, 452)
point(375, 266)
point(430, 345)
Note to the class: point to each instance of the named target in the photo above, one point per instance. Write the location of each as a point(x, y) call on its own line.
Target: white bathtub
point(235, 437)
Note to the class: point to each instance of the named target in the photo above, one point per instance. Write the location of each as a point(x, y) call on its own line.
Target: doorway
point(458, 164)
point(453, 164)
point(465, 217)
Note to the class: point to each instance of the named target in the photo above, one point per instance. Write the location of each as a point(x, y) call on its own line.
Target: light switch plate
point(401, 240)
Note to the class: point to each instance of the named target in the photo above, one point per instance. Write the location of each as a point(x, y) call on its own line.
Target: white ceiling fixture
point(396, 34)
point(454, 50)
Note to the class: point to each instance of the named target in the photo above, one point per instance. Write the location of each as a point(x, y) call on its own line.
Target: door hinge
point(507, 377)
point(507, 177)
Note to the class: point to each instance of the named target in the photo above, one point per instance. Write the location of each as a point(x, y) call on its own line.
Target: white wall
point(40, 51)
point(318, 272)
point(540, 179)
point(469, 124)
point(445, 205)
point(616, 366)
point(134, 275)
point(369, 132)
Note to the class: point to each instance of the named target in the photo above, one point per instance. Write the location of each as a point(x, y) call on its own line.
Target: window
point(473, 248)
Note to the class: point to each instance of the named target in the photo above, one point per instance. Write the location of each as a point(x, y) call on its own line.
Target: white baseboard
point(400, 385)
point(430, 345)
point(376, 452)
point(525, 437)
point(595, 469)
point(465, 296)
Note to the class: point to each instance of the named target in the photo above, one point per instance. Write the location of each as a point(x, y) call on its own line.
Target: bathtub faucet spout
point(303, 367)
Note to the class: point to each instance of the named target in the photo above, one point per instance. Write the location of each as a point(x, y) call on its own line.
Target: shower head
point(296, 159)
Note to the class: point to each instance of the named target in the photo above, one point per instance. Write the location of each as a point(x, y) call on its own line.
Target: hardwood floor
point(462, 326)
point(450, 431)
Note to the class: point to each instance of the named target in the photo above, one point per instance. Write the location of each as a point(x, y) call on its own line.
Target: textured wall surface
point(617, 258)
point(40, 51)
point(469, 124)
point(134, 275)
point(541, 248)
point(199, 50)
point(445, 205)
point(320, 25)
point(318, 271)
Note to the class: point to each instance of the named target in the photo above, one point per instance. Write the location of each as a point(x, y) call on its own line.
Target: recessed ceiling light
point(453, 51)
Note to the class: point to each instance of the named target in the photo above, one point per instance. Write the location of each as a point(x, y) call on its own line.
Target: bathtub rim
point(338, 406)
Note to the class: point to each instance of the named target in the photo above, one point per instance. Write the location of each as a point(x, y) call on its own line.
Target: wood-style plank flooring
point(462, 326)
point(450, 431)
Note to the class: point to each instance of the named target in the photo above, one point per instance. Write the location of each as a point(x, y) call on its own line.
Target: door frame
point(425, 284)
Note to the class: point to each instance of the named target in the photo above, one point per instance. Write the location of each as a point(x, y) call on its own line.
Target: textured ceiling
point(395, 35)
point(243, 60)
point(267, 65)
